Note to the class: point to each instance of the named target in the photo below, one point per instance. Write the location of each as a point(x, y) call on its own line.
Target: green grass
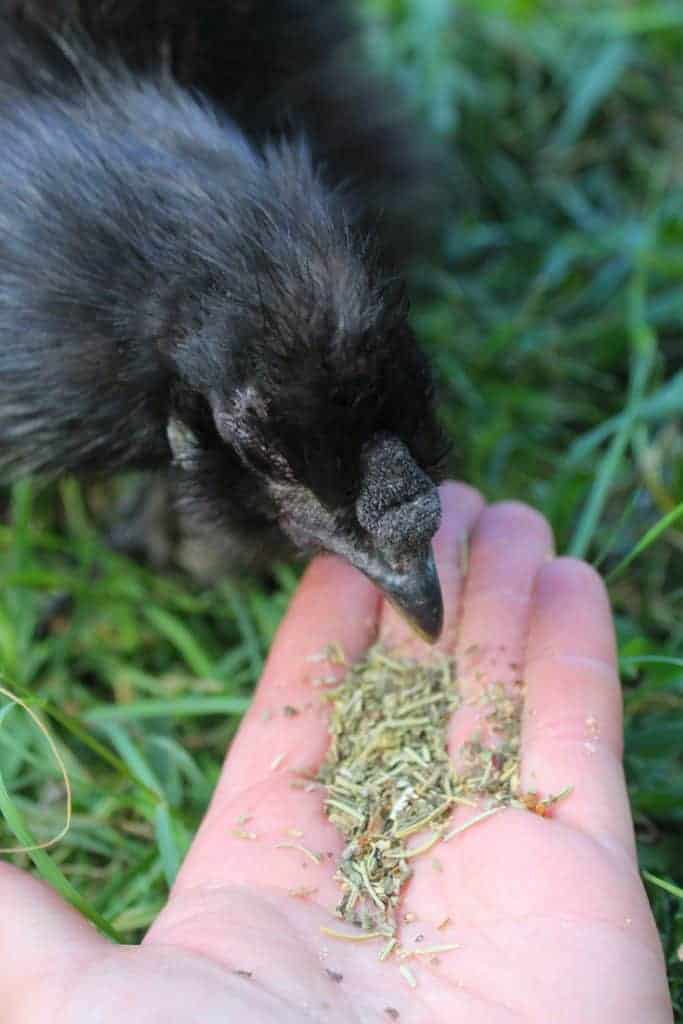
point(554, 314)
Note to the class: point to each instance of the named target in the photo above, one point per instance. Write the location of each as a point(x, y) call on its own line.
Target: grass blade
point(662, 883)
point(46, 867)
point(643, 346)
point(182, 707)
point(651, 659)
point(133, 759)
point(646, 540)
point(247, 631)
point(169, 854)
point(183, 640)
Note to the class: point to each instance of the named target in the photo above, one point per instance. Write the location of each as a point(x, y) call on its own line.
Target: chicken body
point(201, 212)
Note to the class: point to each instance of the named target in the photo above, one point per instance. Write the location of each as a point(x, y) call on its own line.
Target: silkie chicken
point(204, 212)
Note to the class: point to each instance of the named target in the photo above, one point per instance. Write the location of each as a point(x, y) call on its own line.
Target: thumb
point(44, 946)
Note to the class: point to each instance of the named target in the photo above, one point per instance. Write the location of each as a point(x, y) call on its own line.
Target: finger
point(259, 803)
point(461, 505)
point(509, 544)
point(334, 607)
point(572, 725)
point(43, 944)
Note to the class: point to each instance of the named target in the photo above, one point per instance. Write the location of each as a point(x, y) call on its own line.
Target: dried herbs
point(391, 786)
point(387, 777)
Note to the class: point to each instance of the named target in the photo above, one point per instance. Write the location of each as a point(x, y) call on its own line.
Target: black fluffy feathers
point(201, 212)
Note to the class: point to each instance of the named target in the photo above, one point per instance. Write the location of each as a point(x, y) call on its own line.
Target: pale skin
point(549, 915)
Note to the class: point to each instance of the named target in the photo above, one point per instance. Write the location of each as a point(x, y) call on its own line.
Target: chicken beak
point(415, 593)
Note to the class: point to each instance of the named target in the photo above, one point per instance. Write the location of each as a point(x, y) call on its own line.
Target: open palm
point(548, 915)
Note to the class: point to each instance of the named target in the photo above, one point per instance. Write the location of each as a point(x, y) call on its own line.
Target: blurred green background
point(554, 315)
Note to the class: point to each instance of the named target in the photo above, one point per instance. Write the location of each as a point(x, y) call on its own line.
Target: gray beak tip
point(412, 587)
point(428, 627)
point(417, 597)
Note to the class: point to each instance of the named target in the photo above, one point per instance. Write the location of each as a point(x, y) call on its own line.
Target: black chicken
point(202, 209)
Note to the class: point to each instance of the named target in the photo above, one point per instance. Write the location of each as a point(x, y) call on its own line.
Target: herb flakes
point(388, 777)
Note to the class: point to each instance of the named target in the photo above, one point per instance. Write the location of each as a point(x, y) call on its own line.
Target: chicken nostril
point(408, 527)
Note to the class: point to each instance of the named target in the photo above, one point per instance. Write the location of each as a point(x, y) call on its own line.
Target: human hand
point(549, 915)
